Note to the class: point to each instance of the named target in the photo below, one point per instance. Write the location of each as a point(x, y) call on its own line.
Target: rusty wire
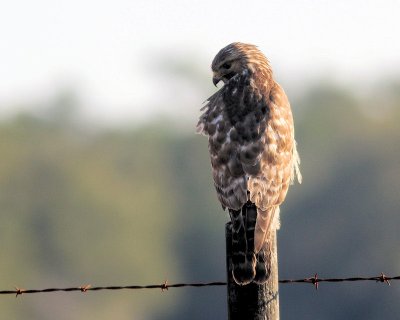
point(315, 280)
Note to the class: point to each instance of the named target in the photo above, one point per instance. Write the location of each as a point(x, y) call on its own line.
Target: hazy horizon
point(118, 57)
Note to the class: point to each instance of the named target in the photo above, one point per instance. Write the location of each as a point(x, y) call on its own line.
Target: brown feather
point(250, 131)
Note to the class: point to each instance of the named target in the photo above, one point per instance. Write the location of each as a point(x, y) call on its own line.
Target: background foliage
point(137, 206)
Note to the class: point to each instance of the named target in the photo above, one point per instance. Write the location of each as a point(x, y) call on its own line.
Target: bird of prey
point(253, 153)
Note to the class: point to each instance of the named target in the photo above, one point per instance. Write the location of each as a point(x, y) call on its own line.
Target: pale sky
point(98, 47)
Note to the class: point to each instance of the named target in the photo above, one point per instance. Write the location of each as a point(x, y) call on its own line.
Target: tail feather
point(243, 255)
point(267, 220)
point(267, 223)
point(249, 211)
point(251, 242)
point(263, 265)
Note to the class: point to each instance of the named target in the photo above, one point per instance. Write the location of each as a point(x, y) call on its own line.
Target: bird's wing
point(229, 179)
point(278, 161)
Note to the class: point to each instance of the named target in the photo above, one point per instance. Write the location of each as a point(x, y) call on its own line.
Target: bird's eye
point(226, 65)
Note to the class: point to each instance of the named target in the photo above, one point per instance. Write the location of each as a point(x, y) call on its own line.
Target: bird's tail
point(243, 254)
point(252, 242)
point(267, 223)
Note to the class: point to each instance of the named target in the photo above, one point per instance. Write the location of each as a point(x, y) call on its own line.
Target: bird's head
point(234, 59)
point(228, 62)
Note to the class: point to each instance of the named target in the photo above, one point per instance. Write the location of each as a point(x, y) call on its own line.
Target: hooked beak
point(215, 80)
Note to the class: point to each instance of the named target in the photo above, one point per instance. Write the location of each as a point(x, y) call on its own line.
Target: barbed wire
point(315, 280)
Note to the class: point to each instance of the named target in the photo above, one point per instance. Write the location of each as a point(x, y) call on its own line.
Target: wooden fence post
point(252, 301)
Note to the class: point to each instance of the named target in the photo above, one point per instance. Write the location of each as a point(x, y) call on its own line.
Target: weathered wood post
point(252, 301)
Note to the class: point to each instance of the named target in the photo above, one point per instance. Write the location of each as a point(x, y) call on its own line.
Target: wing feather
point(278, 163)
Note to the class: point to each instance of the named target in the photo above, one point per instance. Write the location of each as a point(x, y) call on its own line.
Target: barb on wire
point(315, 280)
point(85, 288)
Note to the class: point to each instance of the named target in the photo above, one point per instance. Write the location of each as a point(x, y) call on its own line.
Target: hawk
point(253, 153)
